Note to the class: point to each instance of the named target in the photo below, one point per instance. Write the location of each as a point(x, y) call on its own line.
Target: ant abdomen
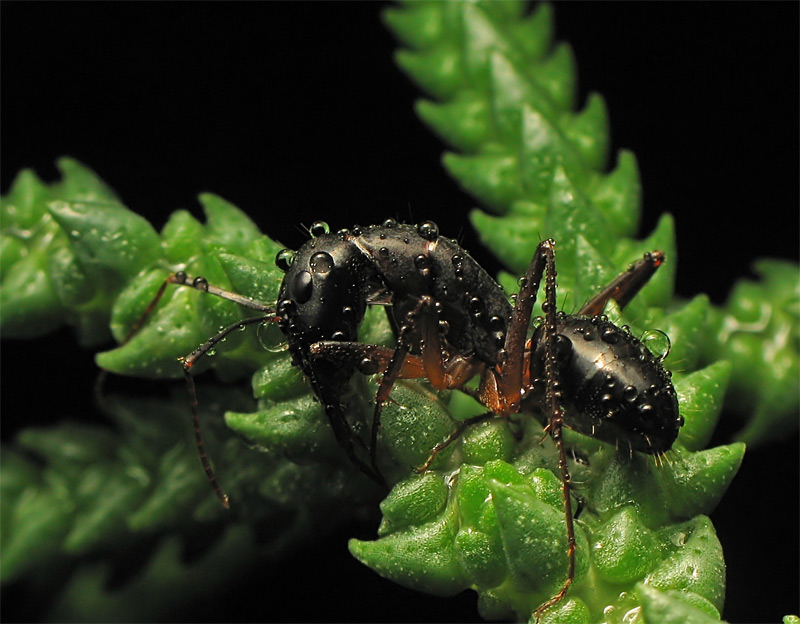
point(612, 387)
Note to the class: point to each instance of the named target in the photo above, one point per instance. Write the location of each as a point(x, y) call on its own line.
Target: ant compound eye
point(284, 259)
point(302, 287)
point(318, 228)
point(428, 230)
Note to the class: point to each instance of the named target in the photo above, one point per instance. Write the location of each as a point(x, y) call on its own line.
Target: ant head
point(322, 296)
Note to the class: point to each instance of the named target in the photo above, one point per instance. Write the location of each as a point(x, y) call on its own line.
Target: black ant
point(453, 322)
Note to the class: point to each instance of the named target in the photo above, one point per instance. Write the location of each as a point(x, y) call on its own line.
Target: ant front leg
point(201, 284)
point(373, 359)
point(188, 362)
point(398, 363)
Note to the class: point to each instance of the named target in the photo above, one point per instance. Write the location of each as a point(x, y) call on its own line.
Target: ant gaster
point(453, 322)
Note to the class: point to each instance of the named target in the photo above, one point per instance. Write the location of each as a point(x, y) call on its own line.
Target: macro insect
point(452, 322)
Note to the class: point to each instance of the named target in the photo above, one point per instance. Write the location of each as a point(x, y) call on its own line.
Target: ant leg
point(188, 362)
point(372, 359)
point(556, 418)
point(626, 285)
point(509, 384)
point(433, 366)
point(198, 283)
point(455, 435)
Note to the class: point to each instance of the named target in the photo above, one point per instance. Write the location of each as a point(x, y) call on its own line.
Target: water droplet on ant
point(610, 336)
point(318, 228)
point(285, 259)
point(476, 305)
point(181, 277)
point(428, 230)
point(286, 307)
point(497, 323)
point(390, 223)
point(423, 264)
point(321, 262)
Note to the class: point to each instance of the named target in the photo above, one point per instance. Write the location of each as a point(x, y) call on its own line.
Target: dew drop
point(200, 283)
point(610, 336)
point(321, 262)
point(319, 228)
point(286, 307)
point(284, 259)
point(428, 230)
point(423, 264)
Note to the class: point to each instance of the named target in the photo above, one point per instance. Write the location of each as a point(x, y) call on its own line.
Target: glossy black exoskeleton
point(453, 322)
point(444, 309)
point(612, 387)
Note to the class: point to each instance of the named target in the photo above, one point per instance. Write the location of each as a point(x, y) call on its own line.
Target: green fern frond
point(489, 515)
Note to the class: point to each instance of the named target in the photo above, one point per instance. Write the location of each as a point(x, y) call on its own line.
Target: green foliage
point(489, 515)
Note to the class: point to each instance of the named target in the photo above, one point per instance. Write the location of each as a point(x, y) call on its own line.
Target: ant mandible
point(453, 322)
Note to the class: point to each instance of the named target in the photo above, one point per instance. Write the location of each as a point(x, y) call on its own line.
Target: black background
point(296, 112)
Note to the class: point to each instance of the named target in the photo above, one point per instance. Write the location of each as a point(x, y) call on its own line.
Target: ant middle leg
point(503, 386)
